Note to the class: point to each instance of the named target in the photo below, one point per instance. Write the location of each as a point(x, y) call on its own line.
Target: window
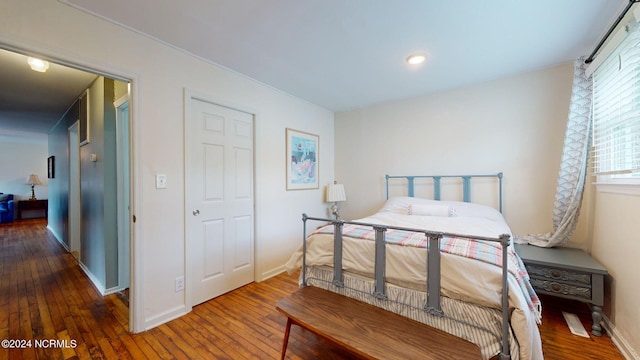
point(616, 113)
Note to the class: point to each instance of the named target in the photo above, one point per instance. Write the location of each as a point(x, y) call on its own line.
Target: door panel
point(243, 241)
point(243, 185)
point(213, 172)
point(213, 231)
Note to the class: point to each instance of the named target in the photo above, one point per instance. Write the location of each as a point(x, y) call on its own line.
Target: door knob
point(196, 212)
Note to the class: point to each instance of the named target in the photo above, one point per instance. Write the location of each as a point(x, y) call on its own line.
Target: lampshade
point(335, 193)
point(33, 180)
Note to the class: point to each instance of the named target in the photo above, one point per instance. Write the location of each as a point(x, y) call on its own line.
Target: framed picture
point(302, 160)
point(51, 167)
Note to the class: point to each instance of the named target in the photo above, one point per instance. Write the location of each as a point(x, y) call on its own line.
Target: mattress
point(471, 287)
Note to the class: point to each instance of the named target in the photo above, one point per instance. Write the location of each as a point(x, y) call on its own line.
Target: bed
point(383, 259)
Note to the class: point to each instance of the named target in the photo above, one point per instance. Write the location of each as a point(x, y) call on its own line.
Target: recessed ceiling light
point(38, 64)
point(415, 59)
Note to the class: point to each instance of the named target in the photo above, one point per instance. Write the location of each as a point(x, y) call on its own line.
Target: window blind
point(616, 110)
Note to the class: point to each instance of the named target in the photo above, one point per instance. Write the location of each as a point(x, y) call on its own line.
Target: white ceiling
point(347, 54)
point(32, 102)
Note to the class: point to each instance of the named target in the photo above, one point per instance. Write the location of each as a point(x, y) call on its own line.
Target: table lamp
point(335, 194)
point(33, 181)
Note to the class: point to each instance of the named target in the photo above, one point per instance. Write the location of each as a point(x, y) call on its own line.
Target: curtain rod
point(606, 36)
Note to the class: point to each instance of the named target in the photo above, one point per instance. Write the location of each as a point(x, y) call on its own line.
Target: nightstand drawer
point(563, 275)
point(559, 288)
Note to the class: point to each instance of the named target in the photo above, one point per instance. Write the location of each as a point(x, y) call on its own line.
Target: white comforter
point(461, 278)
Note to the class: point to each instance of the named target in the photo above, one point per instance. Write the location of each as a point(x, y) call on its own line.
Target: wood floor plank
point(44, 294)
point(183, 341)
point(132, 348)
point(43, 309)
point(245, 333)
point(81, 349)
point(159, 350)
point(163, 340)
point(204, 337)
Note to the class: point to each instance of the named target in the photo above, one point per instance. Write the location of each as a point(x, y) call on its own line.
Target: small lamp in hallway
point(33, 180)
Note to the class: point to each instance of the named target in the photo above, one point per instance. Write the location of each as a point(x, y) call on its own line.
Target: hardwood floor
point(48, 302)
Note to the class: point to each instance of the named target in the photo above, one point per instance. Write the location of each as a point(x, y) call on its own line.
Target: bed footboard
point(433, 303)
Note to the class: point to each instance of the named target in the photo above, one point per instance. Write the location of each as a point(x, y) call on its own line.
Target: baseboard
point(165, 317)
point(97, 284)
point(58, 238)
point(619, 341)
point(271, 273)
point(113, 290)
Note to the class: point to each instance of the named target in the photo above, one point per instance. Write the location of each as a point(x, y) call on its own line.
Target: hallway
point(45, 296)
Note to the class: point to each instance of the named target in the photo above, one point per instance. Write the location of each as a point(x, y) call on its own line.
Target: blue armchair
point(6, 208)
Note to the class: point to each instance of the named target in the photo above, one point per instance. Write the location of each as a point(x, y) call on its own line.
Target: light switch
point(161, 181)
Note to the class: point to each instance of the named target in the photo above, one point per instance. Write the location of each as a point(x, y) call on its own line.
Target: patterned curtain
point(573, 167)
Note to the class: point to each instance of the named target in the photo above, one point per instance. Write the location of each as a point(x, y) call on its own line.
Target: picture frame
point(303, 160)
point(51, 168)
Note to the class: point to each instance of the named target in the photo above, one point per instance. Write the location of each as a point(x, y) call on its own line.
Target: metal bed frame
point(432, 305)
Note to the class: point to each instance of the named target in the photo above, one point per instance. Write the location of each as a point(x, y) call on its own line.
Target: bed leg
point(285, 342)
point(433, 305)
point(337, 254)
point(505, 354)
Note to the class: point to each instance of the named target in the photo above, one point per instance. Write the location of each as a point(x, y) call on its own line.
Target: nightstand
point(567, 273)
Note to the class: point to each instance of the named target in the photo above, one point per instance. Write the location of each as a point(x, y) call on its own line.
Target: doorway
point(68, 204)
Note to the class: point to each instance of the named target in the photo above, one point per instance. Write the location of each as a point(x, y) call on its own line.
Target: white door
point(123, 191)
point(73, 206)
point(220, 218)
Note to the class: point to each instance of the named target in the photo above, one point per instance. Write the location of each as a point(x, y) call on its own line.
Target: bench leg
point(286, 338)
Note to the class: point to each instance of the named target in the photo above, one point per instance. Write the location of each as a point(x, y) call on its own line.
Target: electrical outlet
point(161, 181)
point(179, 283)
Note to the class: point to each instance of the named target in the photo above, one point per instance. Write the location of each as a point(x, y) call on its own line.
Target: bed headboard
point(466, 184)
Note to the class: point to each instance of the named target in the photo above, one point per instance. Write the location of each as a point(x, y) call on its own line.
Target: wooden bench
point(369, 331)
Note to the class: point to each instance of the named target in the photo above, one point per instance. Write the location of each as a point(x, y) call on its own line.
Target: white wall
point(515, 125)
point(160, 75)
point(21, 156)
point(616, 245)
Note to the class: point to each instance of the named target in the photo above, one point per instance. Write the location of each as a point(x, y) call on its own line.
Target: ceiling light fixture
point(38, 64)
point(415, 59)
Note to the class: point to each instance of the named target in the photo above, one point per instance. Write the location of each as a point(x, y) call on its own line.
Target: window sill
point(613, 188)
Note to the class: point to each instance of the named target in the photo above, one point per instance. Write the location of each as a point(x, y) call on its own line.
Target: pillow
point(3, 207)
point(401, 204)
point(4, 197)
point(431, 210)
